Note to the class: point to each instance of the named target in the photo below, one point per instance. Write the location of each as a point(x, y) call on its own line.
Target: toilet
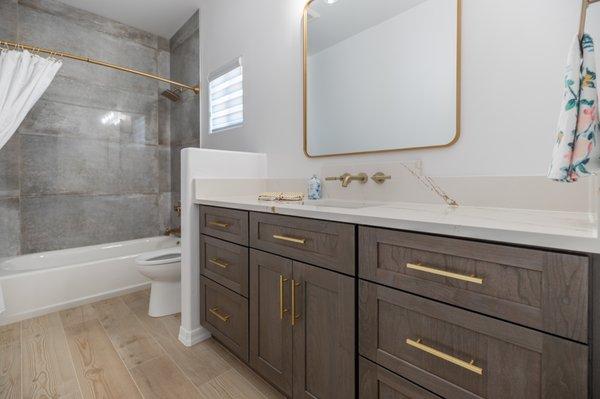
point(163, 268)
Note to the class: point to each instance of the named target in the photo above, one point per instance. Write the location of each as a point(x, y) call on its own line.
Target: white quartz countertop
point(573, 231)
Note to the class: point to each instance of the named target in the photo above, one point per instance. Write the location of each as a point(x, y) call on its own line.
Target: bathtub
point(46, 282)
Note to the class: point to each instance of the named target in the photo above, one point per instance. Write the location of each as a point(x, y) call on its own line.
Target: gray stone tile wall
point(92, 161)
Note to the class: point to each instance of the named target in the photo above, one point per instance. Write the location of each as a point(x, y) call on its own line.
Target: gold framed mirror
point(381, 75)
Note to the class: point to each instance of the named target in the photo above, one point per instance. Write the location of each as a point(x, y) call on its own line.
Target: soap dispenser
point(314, 188)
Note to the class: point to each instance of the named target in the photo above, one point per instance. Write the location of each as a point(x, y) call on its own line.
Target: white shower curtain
point(23, 79)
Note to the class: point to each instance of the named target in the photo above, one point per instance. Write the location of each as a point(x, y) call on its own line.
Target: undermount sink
point(331, 203)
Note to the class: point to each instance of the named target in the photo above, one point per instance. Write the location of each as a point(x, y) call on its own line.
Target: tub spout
point(173, 232)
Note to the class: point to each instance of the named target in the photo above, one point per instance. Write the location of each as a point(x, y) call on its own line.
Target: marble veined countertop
point(573, 231)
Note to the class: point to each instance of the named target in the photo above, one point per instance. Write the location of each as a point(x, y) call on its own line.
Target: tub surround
point(38, 284)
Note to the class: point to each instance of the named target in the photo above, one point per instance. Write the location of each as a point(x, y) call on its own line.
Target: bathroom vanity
point(328, 309)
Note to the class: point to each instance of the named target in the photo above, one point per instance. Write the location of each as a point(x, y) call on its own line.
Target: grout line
point(62, 328)
point(160, 346)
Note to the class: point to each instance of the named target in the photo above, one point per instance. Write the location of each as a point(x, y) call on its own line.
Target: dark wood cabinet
point(378, 383)
point(460, 354)
point(535, 288)
point(302, 327)
point(324, 333)
point(270, 326)
point(438, 317)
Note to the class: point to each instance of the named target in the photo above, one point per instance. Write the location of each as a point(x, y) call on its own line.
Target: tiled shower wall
point(185, 114)
point(92, 161)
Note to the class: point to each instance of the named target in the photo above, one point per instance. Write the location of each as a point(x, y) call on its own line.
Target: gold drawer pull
point(438, 272)
point(219, 262)
point(461, 363)
point(294, 315)
point(223, 317)
point(219, 224)
point(290, 239)
point(282, 309)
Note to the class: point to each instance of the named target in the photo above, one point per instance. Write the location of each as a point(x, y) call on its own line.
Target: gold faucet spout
point(347, 178)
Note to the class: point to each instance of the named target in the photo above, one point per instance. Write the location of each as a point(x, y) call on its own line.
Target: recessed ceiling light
point(330, 1)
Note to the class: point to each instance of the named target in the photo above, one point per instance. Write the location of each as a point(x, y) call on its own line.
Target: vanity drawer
point(379, 383)
point(539, 289)
point(322, 243)
point(225, 314)
point(460, 354)
point(225, 263)
point(227, 224)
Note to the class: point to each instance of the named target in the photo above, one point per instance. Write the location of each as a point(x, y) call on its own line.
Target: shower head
point(172, 95)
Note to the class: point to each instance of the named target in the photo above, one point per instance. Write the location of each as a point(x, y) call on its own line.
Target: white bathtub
point(46, 282)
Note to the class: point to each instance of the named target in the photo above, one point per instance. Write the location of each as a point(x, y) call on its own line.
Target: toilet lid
point(161, 257)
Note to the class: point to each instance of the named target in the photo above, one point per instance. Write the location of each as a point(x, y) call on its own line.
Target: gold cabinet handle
point(294, 315)
point(461, 363)
point(223, 317)
point(290, 239)
point(438, 272)
point(282, 309)
point(219, 224)
point(219, 262)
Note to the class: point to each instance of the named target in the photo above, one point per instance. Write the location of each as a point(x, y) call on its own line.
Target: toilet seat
point(161, 257)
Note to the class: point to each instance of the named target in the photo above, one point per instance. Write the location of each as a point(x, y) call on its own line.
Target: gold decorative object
point(223, 317)
point(380, 177)
point(444, 273)
point(282, 309)
point(461, 363)
point(295, 240)
point(219, 262)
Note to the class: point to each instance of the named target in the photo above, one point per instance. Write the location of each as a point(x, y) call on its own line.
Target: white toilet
point(163, 268)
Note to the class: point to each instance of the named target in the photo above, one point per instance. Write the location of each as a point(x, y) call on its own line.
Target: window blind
point(226, 97)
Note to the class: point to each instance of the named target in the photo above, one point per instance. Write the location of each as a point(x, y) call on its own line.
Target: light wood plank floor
point(113, 349)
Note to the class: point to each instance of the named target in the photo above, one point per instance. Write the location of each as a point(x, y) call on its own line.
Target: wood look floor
point(113, 349)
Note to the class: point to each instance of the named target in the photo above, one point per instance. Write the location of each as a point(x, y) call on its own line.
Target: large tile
point(92, 22)
point(64, 119)
point(185, 60)
point(54, 31)
point(9, 227)
point(8, 19)
point(164, 169)
point(56, 222)
point(58, 165)
point(164, 212)
point(74, 91)
point(9, 167)
point(189, 28)
point(185, 120)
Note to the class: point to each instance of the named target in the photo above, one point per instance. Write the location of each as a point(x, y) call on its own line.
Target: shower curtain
point(24, 77)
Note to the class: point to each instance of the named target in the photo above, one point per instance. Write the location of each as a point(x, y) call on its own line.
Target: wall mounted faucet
point(347, 178)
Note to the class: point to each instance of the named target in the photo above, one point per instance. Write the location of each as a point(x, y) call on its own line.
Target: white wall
point(513, 60)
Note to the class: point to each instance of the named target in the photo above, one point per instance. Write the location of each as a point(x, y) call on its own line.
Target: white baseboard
point(191, 338)
point(13, 318)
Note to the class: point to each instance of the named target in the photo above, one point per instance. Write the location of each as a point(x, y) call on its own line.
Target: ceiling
point(345, 18)
point(161, 17)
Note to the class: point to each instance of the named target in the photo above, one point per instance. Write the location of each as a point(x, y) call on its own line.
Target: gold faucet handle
point(380, 177)
point(334, 178)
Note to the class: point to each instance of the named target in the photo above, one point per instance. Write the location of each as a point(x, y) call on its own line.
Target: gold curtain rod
point(584, 6)
point(61, 54)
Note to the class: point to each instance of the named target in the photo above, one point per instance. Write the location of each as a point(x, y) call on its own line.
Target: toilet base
point(165, 298)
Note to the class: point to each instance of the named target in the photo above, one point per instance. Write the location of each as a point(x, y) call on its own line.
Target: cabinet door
point(324, 333)
point(270, 326)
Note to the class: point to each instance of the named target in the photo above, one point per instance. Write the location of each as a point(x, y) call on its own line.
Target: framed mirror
point(381, 75)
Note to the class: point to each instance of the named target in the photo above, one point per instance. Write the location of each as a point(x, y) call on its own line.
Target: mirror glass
point(380, 75)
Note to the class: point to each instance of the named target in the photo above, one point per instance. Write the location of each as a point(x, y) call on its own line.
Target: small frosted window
point(226, 97)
